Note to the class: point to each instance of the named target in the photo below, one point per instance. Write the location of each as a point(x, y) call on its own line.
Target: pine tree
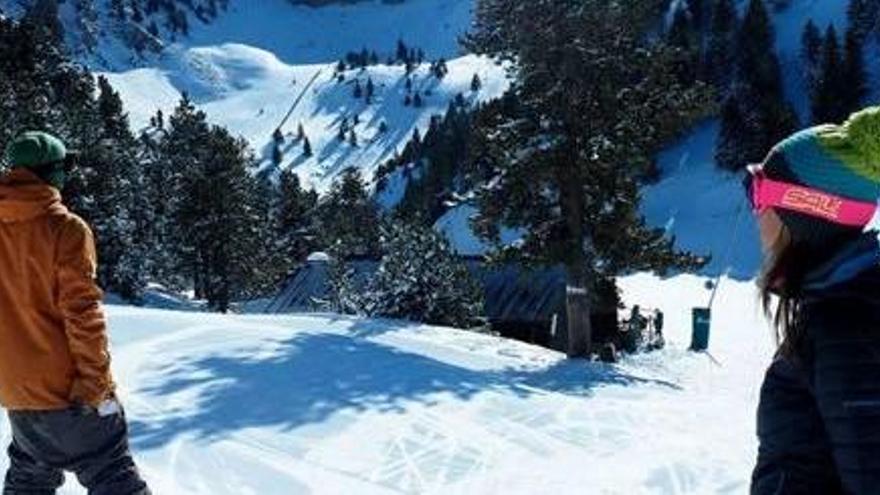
point(730, 150)
point(294, 220)
point(811, 53)
point(117, 7)
point(683, 36)
point(416, 137)
point(440, 69)
point(136, 14)
point(476, 83)
point(371, 90)
point(862, 18)
point(343, 129)
point(854, 79)
point(352, 138)
point(720, 50)
point(41, 89)
point(828, 105)
point(221, 214)
point(348, 218)
point(557, 164)
point(300, 132)
point(419, 278)
point(680, 34)
point(358, 90)
point(402, 51)
point(118, 216)
point(417, 100)
point(342, 288)
point(758, 86)
point(757, 64)
point(699, 11)
point(307, 147)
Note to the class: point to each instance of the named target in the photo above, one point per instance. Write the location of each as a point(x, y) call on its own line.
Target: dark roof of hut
point(512, 293)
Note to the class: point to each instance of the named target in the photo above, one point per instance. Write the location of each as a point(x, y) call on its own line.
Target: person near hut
point(815, 199)
point(55, 379)
point(657, 339)
point(633, 330)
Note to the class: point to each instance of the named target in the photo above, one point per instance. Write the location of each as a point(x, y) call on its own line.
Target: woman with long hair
point(815, 197)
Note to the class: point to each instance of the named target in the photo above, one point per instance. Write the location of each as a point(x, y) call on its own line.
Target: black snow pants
point(95, 448)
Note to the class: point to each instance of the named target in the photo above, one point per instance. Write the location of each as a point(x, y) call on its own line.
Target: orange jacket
point(53, 335)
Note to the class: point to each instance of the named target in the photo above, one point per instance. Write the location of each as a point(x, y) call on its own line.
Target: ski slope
point(323, 404)
point(250, 91)
point(246, 68)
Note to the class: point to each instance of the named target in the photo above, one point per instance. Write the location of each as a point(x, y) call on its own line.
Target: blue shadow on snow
point(313, 376)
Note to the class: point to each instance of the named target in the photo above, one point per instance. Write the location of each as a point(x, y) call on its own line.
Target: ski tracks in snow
point(437, 441)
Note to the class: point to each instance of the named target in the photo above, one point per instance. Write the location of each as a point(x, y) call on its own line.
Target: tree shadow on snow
point(311, 377)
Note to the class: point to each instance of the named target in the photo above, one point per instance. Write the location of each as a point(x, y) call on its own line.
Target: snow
point(319, 257)
point(301, 34)
point(396, 185)
point(250, 91)
point(456, 227)
point(703, 207)
point(328, 404)
point(246, 68)
point(250, 404)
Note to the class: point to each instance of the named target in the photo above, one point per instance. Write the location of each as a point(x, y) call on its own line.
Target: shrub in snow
point(419, 278)
point(344, 296)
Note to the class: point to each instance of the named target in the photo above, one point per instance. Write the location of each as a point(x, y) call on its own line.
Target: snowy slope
point(704, 207)
point(250, 91)
point(247, 67)
point(289, 405)
point(301, 34)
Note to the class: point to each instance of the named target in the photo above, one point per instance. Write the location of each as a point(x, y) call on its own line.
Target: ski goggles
point(765, 193)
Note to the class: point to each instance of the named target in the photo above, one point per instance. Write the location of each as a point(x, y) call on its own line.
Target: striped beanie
point(843, 160)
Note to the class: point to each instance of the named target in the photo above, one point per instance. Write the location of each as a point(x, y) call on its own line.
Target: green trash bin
point(702, 317)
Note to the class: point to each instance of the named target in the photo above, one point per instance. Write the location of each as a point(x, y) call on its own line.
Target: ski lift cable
point(299, 99)
point(739, 214)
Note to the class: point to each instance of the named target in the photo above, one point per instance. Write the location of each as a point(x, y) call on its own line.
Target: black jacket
point(819, 416)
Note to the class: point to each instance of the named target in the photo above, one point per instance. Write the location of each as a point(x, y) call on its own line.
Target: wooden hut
point(520, 303)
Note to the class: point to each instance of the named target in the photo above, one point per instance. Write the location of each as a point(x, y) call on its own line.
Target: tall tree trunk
point(578, 309)
point(577, 300)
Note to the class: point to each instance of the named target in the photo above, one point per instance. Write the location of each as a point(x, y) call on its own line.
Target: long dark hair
point(782, 275)
point(786, 266)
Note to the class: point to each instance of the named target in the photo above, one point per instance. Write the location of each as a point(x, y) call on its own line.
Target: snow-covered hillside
point(292, 405)
point(250, 91)
point(248, 65)
point(247, 68)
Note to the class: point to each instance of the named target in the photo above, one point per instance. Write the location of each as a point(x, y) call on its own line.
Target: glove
point(108, 408)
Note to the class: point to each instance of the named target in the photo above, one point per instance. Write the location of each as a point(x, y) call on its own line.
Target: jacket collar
point(853, 262)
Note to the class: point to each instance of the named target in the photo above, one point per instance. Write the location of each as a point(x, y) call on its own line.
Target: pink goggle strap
point(767, 193)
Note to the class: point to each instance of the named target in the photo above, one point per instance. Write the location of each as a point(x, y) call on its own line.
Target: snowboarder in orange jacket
point(55, 378)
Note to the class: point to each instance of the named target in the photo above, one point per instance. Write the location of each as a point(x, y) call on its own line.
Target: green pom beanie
point(839, 159)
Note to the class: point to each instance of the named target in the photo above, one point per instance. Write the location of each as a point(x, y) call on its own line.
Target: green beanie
point(34, 150)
